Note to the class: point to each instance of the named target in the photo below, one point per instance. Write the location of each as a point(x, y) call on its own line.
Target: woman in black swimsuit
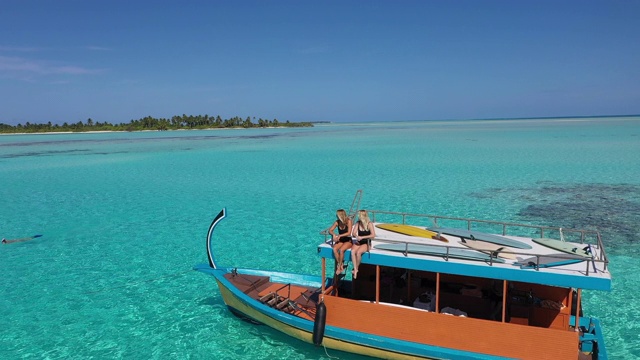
point(341, 241)
point(364, 231)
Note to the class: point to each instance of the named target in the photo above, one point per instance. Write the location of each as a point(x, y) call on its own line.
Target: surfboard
point(489, 248)
point(476, 235)
point(583, 250)
point(439, 251)
point(411, 231)
point(549, 261)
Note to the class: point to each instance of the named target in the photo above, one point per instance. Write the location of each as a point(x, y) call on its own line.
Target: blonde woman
point(342, 240)
point(362, 232)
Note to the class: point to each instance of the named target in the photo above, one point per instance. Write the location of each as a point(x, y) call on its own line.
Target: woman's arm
point(333, 228)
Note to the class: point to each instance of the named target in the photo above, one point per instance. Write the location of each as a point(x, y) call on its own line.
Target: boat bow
point(221, 215)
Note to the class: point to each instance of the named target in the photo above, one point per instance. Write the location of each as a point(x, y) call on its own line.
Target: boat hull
point(294, 327)
point(347, 331)
point(299, 328)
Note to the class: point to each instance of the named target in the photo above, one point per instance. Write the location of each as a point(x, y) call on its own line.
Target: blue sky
point(113, 60)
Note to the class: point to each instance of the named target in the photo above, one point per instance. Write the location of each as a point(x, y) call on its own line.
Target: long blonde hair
point(343, 219)
point(363, 217)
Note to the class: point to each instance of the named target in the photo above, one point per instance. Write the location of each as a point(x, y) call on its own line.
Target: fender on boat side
point(221, 215)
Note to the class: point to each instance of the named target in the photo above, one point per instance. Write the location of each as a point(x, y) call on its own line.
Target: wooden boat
point(406, 305)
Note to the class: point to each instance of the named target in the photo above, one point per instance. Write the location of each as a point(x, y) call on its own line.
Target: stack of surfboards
point(484, 247)
point(480, 236)
point(484, 252)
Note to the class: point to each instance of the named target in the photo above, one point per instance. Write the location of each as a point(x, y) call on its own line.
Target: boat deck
point(290, 298)
point(592, 273)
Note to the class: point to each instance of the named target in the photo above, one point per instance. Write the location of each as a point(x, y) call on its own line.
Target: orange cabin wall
point(475, 335)
point(526, 314)
point(543, 317)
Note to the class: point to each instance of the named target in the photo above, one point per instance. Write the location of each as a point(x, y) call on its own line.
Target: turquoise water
point(125, 215)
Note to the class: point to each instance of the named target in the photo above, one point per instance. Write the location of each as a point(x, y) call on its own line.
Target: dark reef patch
point(612, 209)
point(46, 153)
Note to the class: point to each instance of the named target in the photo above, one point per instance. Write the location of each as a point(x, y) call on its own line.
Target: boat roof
point(592, 273)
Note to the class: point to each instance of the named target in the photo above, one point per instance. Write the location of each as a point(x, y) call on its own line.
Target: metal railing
point(540, 229)
point(584, 234)
point(493, 255)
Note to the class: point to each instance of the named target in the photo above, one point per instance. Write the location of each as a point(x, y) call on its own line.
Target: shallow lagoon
point(124, 218)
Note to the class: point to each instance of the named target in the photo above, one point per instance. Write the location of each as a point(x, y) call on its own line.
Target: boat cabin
point(523, 305)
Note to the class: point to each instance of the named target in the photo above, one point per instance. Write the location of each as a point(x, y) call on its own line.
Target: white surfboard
point(489, 248)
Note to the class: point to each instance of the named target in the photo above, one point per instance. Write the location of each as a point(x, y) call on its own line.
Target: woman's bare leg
point(346, 246)
point(336, 255)
point(358, 258)
point(354, 260)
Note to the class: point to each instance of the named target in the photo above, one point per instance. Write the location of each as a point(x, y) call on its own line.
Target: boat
point(427, 304)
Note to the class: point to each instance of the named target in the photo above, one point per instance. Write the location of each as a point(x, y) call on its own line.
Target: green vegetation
point(150, 123)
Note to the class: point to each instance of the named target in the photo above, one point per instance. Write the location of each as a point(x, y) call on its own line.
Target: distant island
point(183, 122)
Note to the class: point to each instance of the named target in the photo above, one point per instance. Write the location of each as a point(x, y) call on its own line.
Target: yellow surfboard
point(412, 231)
